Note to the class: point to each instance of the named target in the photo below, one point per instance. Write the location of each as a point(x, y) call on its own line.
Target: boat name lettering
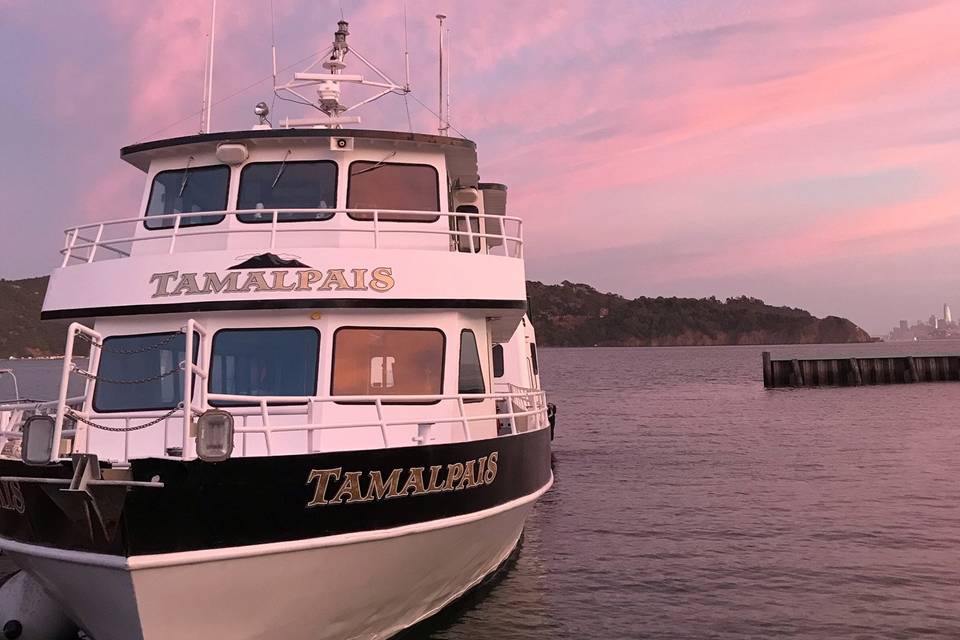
point(11, 497)
point(174, 283)
point(336, 486)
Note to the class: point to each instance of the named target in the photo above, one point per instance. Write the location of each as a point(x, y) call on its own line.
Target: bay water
point(689, 502)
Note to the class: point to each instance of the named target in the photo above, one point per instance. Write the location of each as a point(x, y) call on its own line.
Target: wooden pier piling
point(855, 372)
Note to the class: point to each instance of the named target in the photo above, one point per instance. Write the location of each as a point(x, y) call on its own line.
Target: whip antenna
point(440, 128)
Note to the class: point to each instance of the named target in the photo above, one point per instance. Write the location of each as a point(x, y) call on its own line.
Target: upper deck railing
point(467, 233)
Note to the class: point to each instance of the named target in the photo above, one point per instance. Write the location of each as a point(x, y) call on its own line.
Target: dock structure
point(855, 372)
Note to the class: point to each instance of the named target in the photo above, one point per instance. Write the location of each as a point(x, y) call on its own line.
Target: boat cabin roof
point(460, 153)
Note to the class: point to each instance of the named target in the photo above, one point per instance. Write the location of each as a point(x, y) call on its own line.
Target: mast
point(209, 83)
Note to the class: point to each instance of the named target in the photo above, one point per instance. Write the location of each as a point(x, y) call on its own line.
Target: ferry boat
point(312, 403)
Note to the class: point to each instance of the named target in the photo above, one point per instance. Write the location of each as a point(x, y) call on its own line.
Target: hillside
point(570, 315)
point(21, 332)
point(577, 315)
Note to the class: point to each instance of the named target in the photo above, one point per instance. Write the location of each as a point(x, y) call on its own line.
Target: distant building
point(936, 323)
point(932, 321)
point(947, 317)
point(903, 325)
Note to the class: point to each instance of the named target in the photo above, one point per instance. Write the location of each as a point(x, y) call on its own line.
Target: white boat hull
point(367, 585)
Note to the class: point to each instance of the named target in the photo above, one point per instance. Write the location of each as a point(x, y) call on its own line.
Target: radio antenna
point(209, 80)
point(440, 128)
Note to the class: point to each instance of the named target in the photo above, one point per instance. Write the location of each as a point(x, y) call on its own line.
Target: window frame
point(336, 190)
point(168, 223)
point(352, 216)
point(230, 403)
point(483, 380)
point(443, 364)
point(195, 357)
point(535, 358)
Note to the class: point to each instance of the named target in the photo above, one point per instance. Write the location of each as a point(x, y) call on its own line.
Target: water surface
point(691, 503)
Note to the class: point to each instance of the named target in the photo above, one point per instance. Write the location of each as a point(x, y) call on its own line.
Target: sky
point(803, 152)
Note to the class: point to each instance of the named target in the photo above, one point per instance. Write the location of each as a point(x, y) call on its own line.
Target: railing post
point(265, 419)
point(503, 236)
point(383, 425)
point(62, 395)
point(173, 236)
point(68, 249)
point(96, 243)
point(463, 419)
point(273, 230)
point(187, 368)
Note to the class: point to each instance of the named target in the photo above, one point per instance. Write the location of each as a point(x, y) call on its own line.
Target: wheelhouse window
point(188, 190)
point(374, 361)
point(141, 372)
point(533, 359)
point(293, 185)
point(471, 374)
point(391, 185)
point(264, 362)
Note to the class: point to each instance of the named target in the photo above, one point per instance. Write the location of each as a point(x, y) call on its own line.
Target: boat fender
point(27, 612)
point(552, 417)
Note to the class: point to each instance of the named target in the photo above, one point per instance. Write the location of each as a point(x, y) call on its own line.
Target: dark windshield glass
point(294, 185)
point(186, 191)
point(264, 362)
point(141, 372)
point(471, 375)
point(380, 185)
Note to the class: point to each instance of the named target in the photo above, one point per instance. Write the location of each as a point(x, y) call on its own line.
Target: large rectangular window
point(374, 361)
point(386, 185)
point(186, 191)
point(293, 185)
point(264, 362)
point(141, 372)
point(471, 374)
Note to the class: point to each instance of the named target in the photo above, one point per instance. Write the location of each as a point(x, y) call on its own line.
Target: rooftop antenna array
point(328, 85)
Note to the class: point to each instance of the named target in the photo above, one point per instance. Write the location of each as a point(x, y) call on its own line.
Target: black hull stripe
point(299, 303)
point(251, 501)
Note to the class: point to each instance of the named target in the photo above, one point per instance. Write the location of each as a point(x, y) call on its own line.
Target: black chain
point(98, 378)
point(75, 416)
point(153, 347)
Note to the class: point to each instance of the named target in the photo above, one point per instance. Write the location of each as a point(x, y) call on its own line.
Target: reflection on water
point(690, 502)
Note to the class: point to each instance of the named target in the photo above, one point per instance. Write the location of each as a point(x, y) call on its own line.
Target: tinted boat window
point(144, 370)
point(471, 374)
point(533, 359)
point(186, 191)
point(498, 361)
point(296, 185)
point(383, 185)
point(387, 362)
point(264, 362)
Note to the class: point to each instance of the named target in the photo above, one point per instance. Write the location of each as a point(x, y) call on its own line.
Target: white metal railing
point(499, 235)
point(13, 414)
point(525, 410)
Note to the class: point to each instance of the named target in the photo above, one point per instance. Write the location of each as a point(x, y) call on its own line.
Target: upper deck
point(275, 218)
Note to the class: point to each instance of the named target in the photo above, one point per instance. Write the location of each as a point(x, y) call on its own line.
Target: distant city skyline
point(803, 153)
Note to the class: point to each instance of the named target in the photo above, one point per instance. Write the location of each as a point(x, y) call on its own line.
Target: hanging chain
point(98, 378)
point(165, 341)
point(75, 416)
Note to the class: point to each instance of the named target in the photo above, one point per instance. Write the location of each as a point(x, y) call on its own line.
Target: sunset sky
point(803, 152)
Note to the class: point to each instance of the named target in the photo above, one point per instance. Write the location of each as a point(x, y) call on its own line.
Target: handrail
point(525, 403)
point(336, 220)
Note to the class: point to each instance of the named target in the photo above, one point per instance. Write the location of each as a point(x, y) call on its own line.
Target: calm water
point(691, 503)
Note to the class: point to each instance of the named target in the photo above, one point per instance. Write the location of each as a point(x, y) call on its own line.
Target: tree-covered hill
point(567, 314)
point(577, 315)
